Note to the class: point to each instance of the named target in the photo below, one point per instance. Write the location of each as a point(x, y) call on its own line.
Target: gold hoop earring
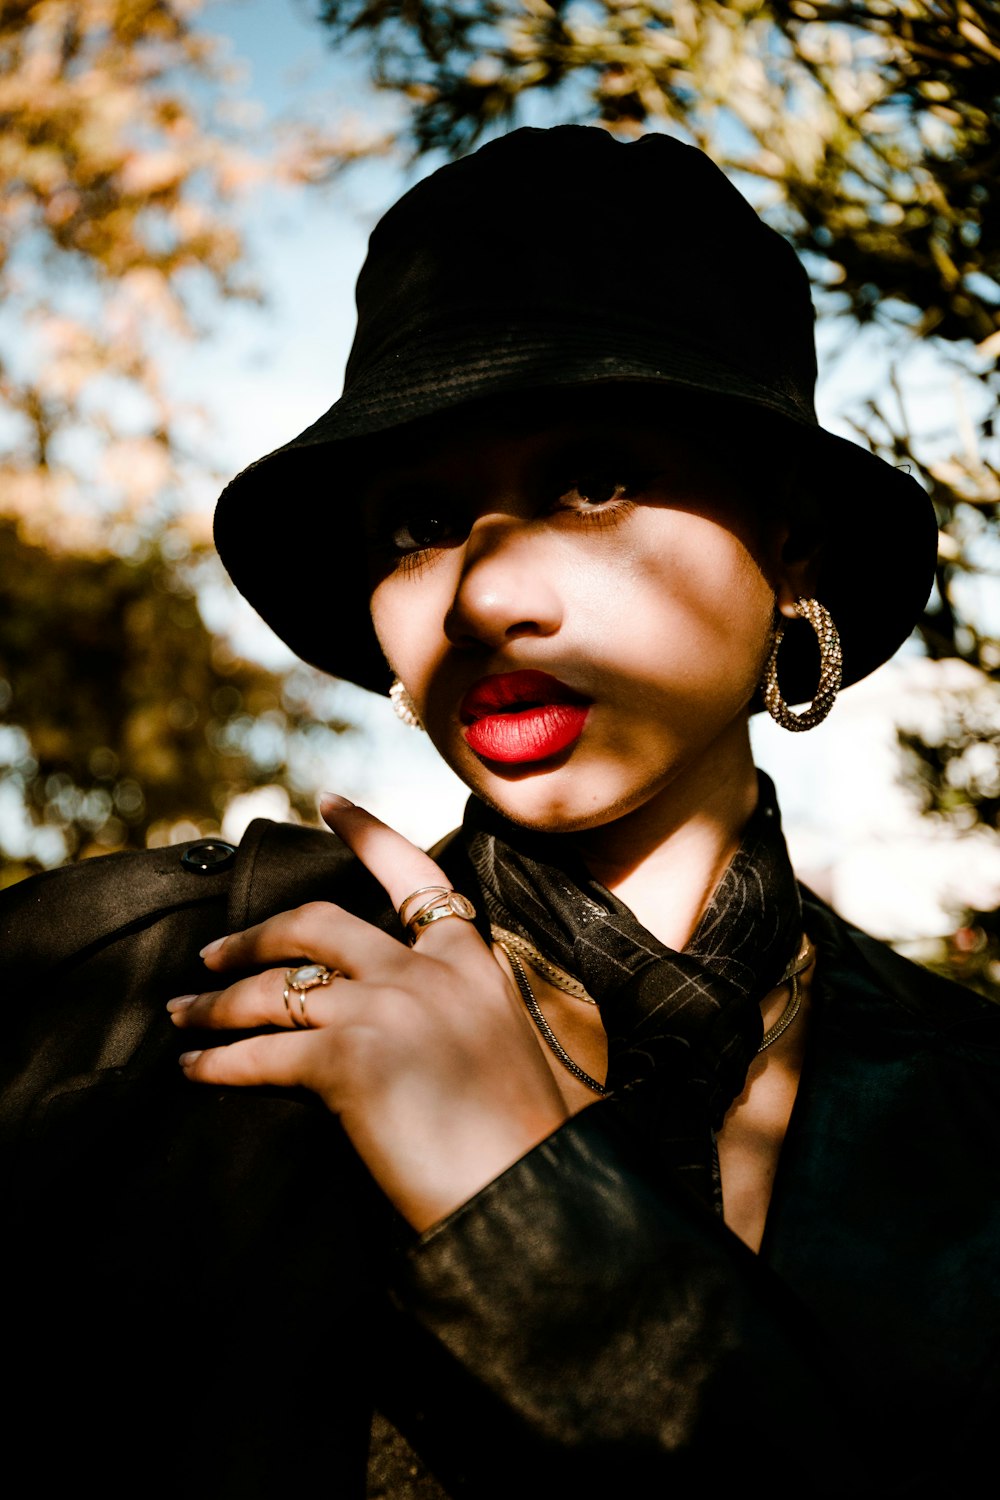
point(831, 669)
point(402, 705)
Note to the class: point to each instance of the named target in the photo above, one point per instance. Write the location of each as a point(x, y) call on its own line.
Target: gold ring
point(301, 980)
point(421, 890)
point(440, 902)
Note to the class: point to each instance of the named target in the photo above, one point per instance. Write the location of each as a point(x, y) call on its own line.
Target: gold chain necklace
point(556, 976)
point(515, 946)
point(548, 1035)
point(802, 960)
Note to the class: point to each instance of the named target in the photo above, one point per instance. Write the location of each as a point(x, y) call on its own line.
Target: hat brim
point(880, 531)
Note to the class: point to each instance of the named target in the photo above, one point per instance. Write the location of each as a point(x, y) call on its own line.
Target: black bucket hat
point(563, 258)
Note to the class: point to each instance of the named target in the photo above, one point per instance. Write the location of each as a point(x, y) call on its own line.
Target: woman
point(590, 1148)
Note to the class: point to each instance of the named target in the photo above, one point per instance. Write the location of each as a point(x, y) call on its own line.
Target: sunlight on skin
point(437, 1095)
point(622, 565)
point(658, 611)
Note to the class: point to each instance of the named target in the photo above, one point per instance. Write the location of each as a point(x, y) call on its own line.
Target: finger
point(317, 932)
point(260, 1001)
point(287, 1059)
point(399, 866)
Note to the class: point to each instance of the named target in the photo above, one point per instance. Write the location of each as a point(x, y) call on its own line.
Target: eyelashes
point(409, 564)
point(596, 494)
point(413, 544)
point(418, 525)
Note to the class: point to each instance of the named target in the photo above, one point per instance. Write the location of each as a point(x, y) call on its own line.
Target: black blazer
point(206, 1294)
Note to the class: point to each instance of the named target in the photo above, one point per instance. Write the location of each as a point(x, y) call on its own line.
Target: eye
point(412, 518)
point(421, 531)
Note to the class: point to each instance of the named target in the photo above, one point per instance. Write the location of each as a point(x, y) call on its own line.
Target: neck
point(665, 858)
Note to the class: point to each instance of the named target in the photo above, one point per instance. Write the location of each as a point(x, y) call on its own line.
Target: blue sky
point(263, 374)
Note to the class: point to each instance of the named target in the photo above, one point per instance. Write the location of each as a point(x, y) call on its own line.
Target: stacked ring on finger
point(301, 980)
point(439, 901)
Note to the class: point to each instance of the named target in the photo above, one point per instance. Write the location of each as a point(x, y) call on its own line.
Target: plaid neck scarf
point(682, 1027)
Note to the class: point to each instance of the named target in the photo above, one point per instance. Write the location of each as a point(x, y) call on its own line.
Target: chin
point(550, 803)
point(584, 787)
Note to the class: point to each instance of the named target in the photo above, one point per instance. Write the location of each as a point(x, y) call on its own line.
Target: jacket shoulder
point(58, 915)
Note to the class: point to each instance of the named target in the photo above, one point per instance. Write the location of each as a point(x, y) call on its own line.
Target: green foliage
point(955, 763)
point(115, 206)
point(137, 719)
point(120, 179)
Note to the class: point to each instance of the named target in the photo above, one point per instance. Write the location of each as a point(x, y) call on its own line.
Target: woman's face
point(578, 611)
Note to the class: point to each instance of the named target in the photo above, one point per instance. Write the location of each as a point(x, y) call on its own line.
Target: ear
point(795, 574)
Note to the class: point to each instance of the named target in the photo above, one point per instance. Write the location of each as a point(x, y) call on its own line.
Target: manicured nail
point(332, 800)
point(187, 1058)
point(181, 1002)
point(211, 948)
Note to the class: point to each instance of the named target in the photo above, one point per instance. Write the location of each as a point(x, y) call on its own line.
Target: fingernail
point(181, 1002)
point(331, 800)
point(187, 1058)
point(211, 948)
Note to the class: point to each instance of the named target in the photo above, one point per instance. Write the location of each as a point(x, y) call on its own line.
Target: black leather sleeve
point(620, 1338)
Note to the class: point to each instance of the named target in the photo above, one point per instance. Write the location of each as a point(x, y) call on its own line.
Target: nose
point(505, 590)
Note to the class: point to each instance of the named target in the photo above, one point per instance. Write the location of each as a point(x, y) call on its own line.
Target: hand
point(425, 1053)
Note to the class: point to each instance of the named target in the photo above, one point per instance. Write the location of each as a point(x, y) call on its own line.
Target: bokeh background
point(186, 190)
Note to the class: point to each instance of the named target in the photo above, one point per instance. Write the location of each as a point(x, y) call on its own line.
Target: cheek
point(383, 612)
point(699, 612)
point(725, 598)
point(408, 617)
point(396, 618)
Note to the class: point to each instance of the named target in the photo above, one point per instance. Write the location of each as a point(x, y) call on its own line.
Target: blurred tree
point(876, 122)
point(113, 217)
point(867, 132)
point(141, 727)
point(121, 169)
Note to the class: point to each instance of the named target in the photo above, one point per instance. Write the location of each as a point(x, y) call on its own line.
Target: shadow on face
point(720, 449)
point(615, 546)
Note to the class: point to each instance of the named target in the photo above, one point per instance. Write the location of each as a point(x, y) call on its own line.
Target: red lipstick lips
point(517, 717)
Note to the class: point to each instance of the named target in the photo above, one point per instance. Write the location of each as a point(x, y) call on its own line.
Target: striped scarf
point(682, 1027)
